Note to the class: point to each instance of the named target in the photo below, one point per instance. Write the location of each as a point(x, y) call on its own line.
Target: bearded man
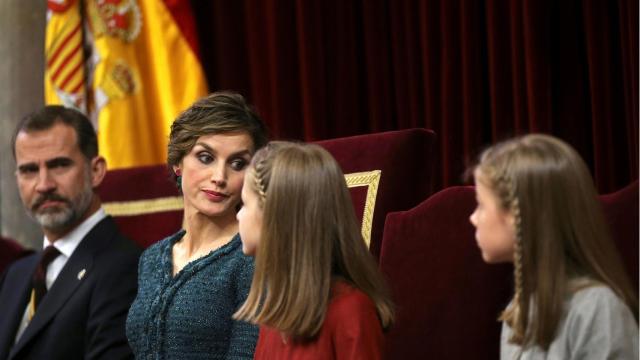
point(69, 301)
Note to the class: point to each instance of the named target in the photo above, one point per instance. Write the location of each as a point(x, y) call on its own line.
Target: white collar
point(68, 243)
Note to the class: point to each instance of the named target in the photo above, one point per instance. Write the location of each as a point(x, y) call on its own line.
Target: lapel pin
point(81, 274)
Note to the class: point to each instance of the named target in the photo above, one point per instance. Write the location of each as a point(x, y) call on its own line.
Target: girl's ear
point(511, 222)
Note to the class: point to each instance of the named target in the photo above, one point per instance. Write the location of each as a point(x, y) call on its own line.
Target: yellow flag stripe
point(142, 96)
point(74, 74)
point(56, 49)
point(73, 56)
point(77, 85)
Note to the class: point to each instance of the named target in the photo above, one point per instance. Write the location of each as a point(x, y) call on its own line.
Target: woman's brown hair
point(561, 234)
point(220, 112)
point(309, 239)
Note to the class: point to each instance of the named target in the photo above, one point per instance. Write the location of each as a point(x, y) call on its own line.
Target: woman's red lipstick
point(215, 196)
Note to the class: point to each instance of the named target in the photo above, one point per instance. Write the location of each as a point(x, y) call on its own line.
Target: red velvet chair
point(10, 251)
point(145, 204)
point(403, 159)
point(386, 172)
point(447, 298)
point(621, 211)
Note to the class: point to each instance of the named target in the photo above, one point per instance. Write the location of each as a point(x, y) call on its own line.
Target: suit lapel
point(62, 289)
point(14, 301)
point(75, 272)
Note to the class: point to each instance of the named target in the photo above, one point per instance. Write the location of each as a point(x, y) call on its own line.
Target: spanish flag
point(64, 70)
point(138, 65)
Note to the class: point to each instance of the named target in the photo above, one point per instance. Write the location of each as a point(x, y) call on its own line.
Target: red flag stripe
point(73, 71)
point(78, 87)
point(65, 62)
point(60, 47)
point(182, 13)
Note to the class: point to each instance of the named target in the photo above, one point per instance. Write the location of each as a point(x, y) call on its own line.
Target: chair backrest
point(10, 251)
point(145, 204)
point(385, 172)
point(402, 160)
point(447, 298)
point(621, 212)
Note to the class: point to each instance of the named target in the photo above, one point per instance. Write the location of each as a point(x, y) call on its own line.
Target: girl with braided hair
point(316, 290)
point(538, 208)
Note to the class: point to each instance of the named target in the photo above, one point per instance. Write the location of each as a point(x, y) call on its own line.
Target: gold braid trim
point(143, 207)
point(370, 179)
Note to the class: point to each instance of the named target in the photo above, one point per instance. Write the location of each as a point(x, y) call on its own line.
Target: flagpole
point(86, 56)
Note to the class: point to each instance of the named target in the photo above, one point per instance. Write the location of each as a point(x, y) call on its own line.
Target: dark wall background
point(474, 71)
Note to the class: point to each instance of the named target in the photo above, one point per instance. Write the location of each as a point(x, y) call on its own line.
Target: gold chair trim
point(143, 207)
point(370, 179)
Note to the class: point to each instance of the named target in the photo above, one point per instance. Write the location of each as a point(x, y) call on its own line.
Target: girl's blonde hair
point(309, 239)
point(561, 234)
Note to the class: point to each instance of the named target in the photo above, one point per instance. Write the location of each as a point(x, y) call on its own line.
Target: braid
point(514, 315)
point(259, 180)
point(519, 317)
point(262, 165)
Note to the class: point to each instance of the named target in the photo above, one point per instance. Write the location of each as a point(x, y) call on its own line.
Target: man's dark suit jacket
point(83, 314)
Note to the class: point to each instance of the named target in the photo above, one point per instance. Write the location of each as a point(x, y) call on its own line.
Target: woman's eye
point(238, 164)
point(204, 158)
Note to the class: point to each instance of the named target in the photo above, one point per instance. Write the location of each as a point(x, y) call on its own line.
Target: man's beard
point(62, 217)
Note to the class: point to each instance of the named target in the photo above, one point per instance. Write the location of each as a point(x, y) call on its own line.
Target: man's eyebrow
point(51, 163)
point(59, 161)
point(27, 167)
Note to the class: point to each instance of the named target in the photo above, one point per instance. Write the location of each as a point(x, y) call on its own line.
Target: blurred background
point(474, 71)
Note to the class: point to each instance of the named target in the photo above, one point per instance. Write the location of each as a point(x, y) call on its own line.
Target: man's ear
point(98, 170)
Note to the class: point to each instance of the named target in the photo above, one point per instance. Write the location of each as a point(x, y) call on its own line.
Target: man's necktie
point(39, 279)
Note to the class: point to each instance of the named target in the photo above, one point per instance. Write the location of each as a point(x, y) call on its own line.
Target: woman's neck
point(204, 234)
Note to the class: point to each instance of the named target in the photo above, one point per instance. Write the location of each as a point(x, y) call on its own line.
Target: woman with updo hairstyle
point(190, 283)
point(538, 208)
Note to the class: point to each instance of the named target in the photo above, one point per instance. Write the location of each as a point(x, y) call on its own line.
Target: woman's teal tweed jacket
point(189, 316)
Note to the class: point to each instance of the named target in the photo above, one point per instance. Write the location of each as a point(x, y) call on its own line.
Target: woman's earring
point(179, 179)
